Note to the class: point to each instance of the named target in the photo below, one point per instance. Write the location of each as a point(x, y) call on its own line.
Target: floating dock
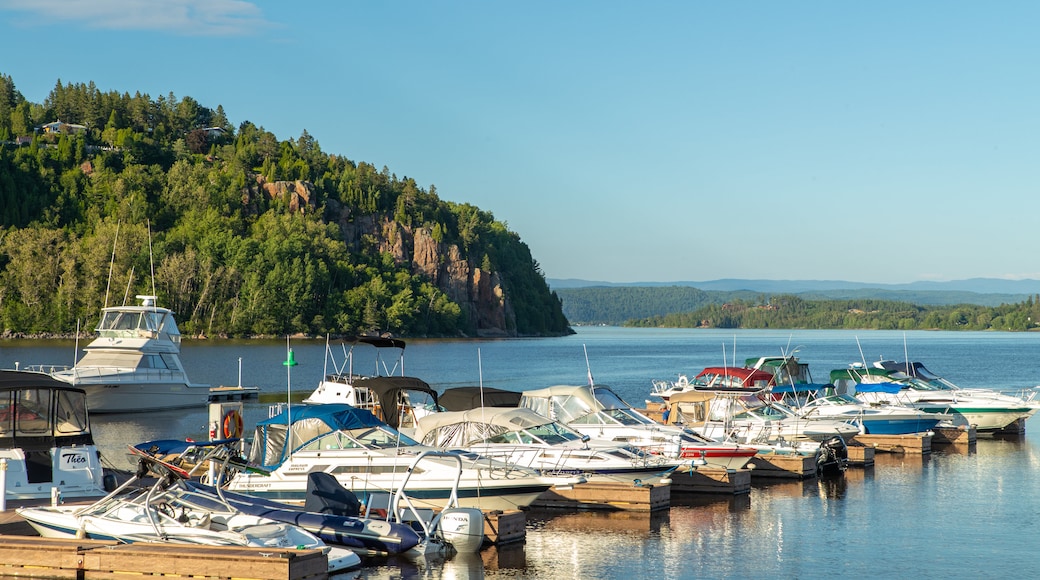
point(712, 480)
point(910, 443)
point(783, 465)
point(76, 559)
point(608, 496)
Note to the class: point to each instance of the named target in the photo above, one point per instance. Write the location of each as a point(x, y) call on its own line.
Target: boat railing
point(124, 374)
point(401, 506)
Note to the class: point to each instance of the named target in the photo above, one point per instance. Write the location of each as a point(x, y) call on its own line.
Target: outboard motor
point(833, 457)
point(463, 528)
point(325, 495)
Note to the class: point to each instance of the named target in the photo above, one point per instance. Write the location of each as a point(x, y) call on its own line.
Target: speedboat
point(329, 511)
point(694, 410)
point(134, 363)
point(913, 385)
point(45, 439)
point(397, 400)
point(171, 510)
point(597, 411)
point(813, 401)
point(522, 437)
point(368, 457)
point(793, 386)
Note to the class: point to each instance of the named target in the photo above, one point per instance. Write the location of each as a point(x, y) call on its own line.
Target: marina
point(918, 503)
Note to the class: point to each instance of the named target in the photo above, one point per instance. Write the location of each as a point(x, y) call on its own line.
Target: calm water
point(959, 513)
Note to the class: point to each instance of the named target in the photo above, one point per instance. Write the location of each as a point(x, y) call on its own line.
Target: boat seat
point(377, 505)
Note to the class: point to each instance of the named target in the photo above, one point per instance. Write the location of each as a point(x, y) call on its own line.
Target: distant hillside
point(972, 285)
point(616, 304)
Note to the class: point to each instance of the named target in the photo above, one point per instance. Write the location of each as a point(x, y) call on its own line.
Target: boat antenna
point(129, 281)
point(290, 362)
point(861, 356)
point(75, 353)
point(734, 351)
point(151, 260)
point(592, 383)
point(111, 264)
point(906, 356)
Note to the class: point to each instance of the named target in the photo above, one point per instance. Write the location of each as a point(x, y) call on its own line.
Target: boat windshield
point(553, 433)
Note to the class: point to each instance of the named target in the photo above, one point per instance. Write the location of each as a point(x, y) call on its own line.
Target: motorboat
point(395, 399)
point(600, 413)
point(133, 364)
point(820, 401)
point(368, 457)
point(793, 385)
point(46, 443)
point(522, 437)
point(715, 378)
point(693, 409)
point(911, 384)
point(172, 510)
point(329, 511)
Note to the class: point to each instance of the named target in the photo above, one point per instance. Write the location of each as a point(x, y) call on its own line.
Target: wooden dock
point(712, 480)
point(955, 435)
point(608, 496)
point(504, 527)
point(910, 443)
point(74, 559)
point(861, 455)
point(783, 466)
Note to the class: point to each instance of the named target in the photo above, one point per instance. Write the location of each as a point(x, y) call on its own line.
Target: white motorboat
point(794, 387)
point(134, 363)
point(369, 457)
point(693, 409)
point(397, 400)
point(173, 511)
point(911, 384)
point(597, 411)
point(45, 439)
point(522, 437)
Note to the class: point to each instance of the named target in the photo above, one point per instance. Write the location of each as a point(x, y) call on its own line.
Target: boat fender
point(232, 424)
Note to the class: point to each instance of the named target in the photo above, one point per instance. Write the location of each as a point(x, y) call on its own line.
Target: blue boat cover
point(891, 388)
point(335, 415)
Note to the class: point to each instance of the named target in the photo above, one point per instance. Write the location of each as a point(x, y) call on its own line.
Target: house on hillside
point(59, 127)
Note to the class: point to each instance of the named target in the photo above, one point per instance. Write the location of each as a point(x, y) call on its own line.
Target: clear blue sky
point(626, 141)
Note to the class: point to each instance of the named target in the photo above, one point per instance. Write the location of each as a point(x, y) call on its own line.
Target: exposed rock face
point(301, 193)
point(481, 294)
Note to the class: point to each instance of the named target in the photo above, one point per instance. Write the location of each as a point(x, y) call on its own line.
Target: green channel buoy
point(292, 359)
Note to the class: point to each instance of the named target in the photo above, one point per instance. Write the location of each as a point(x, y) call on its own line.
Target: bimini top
point(733, 379)
point(274, 439)
point(336, 415)
point(914, 369)
point(466, 398)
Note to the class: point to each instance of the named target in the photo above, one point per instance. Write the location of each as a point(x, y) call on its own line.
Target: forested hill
point(246, 234)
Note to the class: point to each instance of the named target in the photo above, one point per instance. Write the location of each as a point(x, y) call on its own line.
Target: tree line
point(165, 196)
point(793, 312)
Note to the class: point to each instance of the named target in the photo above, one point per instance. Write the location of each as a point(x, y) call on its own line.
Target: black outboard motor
point(833, 457)
point(325, 495)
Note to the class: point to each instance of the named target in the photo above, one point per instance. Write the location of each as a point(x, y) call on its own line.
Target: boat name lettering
point(73, 458)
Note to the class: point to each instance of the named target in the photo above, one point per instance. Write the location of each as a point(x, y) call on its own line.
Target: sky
point(880, 142)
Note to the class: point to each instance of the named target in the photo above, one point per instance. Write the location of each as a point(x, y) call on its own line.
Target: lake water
point(956, 513)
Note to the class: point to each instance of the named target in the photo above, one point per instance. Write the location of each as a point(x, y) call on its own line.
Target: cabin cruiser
point(793, 386)
point(134, 363)
point(45, 439)
point(911, 384)
point(397, 400)
point(522, 437)
point(597, 411)
point(692, 409)
point(368, 457)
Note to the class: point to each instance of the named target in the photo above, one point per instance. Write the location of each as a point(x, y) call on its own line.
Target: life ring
point(232, 424)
